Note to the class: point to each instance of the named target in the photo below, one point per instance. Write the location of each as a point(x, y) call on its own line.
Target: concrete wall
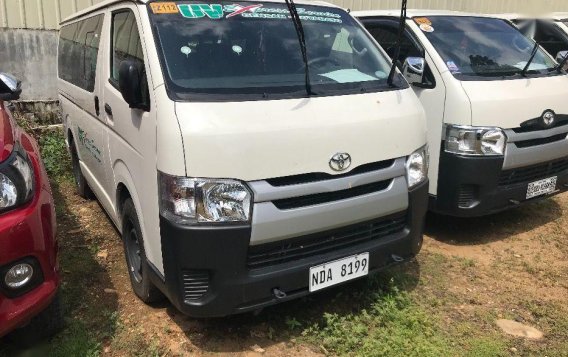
point(31, 55)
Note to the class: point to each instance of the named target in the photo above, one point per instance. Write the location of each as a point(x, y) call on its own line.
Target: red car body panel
point(27, 231)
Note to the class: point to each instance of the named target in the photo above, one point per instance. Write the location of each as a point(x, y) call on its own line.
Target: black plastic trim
point(483, 175)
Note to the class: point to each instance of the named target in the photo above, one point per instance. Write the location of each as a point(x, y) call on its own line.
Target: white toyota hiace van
point(249, 152)
point(497, 108)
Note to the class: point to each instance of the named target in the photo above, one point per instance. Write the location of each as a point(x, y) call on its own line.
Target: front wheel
point(138, 268)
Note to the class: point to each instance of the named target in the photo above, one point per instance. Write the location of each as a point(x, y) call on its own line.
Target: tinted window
point(484, 47)
point(228, 48)
point(78, 51)
point(386, 33)
point(125, 41)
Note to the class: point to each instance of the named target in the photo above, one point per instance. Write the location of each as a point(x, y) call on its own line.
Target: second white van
point(496, 104)
point(250, 152)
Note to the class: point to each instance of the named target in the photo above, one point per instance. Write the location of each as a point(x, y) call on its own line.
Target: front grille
point(320, 243)
point(536, 142)
point(533, 173)
point(533, 125)
point(320, 198)
point(466, 196)
point(321, 176)
point(195, 284)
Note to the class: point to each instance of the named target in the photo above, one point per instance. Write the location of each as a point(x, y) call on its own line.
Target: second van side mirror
point(10, 87)
point(561, 56)
point(413, 69)
point(130, 84)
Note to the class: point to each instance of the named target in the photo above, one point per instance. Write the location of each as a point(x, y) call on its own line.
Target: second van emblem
point(340, 161)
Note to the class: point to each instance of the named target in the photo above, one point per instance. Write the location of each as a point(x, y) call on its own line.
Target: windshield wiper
point(302, 38)
point(533, 54)
point(401, 28)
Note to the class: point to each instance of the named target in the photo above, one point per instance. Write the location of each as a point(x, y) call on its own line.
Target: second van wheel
point(83, 188)
point(136, 262)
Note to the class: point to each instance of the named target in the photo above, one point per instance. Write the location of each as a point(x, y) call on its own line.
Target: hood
point(6, 133)
point(268, 139)
point(508, 103)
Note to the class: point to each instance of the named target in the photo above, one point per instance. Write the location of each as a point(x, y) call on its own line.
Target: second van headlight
point(186, 200)
point(476, 141)
point(417, 167)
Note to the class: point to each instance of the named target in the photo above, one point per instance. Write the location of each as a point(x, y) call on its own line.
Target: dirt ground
point(511, 265)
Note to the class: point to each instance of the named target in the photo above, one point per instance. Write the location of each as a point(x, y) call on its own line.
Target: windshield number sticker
point(423, 21)
point(164, 8)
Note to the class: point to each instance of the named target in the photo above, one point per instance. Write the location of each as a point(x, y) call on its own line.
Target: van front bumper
point(208, 270)
point(476, 186)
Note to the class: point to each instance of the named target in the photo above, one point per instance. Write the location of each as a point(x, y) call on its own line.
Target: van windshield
point(474, 47)
point(246, 48)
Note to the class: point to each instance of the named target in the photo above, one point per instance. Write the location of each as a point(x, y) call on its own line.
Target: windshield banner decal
point(197, 11)
point(218, 11)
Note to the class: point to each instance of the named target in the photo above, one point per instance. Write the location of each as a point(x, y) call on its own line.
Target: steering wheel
point(321, 60)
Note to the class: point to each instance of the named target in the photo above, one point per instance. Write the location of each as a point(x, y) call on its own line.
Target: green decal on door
point(89, 144)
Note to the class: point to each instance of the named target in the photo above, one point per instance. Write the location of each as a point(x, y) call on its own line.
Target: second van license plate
point(339, 271)
point(542, 187)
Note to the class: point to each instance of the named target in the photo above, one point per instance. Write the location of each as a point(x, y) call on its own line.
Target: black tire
point(136, 261)
point(83, 188)
point(46, 324)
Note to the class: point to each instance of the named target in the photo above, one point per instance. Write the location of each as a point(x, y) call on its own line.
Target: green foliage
point(392, 326)
point(54, 154)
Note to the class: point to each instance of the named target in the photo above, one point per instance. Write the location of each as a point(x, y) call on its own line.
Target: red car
point(29, 273)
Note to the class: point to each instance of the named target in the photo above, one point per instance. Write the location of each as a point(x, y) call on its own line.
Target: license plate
point(542, 187)
point(339, 271)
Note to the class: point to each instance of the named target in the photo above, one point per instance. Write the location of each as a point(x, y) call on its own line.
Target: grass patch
point(54, 154)
point(392, 325)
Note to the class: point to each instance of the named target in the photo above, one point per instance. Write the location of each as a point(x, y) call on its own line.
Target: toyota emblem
point(340, 162)
point(548, 118)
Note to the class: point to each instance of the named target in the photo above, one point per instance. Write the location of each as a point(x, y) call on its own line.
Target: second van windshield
point(229, 48)
point(474, 47)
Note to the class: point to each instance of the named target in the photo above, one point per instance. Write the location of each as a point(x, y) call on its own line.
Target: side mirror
point(413, 69)
point(10, 87)
point(130, 84)
point(561, 55)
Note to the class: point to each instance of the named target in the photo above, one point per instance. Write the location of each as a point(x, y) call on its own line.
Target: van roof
point(107, 3)
point(410, 13)
point(555, 16)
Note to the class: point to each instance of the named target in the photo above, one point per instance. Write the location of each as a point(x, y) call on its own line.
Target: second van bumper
point(477, 186)
point(208, 270)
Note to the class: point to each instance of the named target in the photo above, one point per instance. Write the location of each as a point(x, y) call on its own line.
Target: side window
point(125, 41)
point(78, 51)
point(387, 37)
point(386, 34)
point(551, 38)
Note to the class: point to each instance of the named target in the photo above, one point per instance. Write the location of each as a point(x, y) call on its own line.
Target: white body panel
point(267, 139)
point(241, 140)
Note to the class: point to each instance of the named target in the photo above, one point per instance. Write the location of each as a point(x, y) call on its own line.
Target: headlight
point(417, 167)
point(193, 200)
point(468, 140)
point(16, 181)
